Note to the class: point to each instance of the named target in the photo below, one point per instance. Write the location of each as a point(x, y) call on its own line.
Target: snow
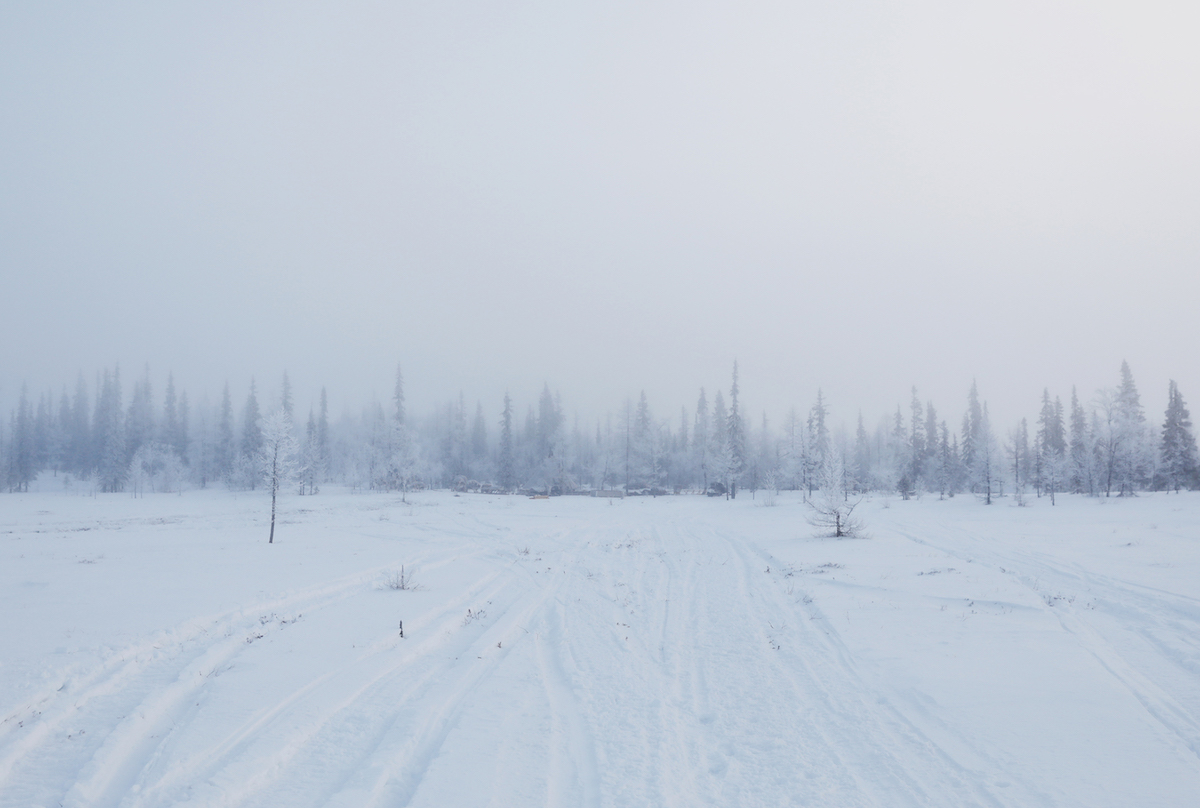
point(679, 651)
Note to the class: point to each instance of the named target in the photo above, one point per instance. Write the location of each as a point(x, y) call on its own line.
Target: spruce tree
point(225, 449)
point(252, 440)
point(506, 466)
point(113, 462)
point(398, 397)
point(1082, 460)
point(720, 462)
point(323, 458)
point(139, 421)
point(285, 396)
point(932, 445)
point(169, 431)
point(862, 456)
point(701, 440)
point(80, 440)
point(1177, 450)
point(180, 441)
point(1130, 461)
point(23, 454)
point(737, 437)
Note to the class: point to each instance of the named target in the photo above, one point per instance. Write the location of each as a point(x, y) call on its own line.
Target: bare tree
point(278, 457)
point(833, 505)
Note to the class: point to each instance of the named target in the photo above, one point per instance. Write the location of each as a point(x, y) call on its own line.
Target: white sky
point(610, 197)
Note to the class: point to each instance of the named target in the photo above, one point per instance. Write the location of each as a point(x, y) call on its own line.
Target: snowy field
point(680, 651)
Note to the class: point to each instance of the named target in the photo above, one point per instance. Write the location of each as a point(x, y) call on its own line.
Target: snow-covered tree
point(310, 457)
point(398, 397)
point(861, 471)
point(1019, 464)
point(157, 467)
point(834, 504)
point(506, 465)
point(735, 439)
point(225, 449)
point(1082, 460)
point(139, 421)
point(277, 457)
point(285, 397)
point(721, 464)
point(1179, 466)
point(986, 475)
point(404, 461)
point(701, 441)
point(22, 460)
point(1051, 463)
point(112, 463)
point(252, 439)
point(1130, 464)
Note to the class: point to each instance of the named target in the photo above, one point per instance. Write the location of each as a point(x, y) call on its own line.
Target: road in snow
point(679, 651)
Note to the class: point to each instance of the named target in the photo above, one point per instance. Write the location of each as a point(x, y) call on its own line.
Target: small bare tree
point(833, 505)
point(278, 457)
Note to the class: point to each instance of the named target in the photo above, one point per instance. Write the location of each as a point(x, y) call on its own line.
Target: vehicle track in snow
point(135, 700)
point(1157, 626)
point(637, 654)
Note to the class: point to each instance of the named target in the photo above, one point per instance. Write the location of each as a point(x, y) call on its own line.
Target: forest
point(1101, 445)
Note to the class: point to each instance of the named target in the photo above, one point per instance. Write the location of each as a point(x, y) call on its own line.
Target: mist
point(856, 198)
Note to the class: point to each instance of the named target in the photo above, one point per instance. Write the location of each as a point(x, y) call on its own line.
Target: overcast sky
point(606, 196)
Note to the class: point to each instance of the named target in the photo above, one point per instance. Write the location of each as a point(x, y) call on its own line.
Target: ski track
point(631, 641)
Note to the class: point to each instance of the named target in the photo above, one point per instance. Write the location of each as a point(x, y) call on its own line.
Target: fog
point(606, 197)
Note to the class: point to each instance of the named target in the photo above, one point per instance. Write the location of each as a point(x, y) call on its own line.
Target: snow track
point(679, 652)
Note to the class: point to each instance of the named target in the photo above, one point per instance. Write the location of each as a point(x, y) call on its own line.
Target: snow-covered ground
point(680, 651)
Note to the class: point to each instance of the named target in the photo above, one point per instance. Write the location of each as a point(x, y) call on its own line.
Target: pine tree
point(398, 397)
point(1180, 467)
point(252, 437)
point(43, 425)
point(1130, 461)
point(818, 431)
point(61, 435)
point(169, 430)
point(479, 434)
point(223, 454)
point(862, 456)
point(1082, 460)
point(720, 456)
point(312, 455)
point(180, 442)
point(139, 422)
point(737, 437)
point(251, 424)
point(945, 464)
point(506, 471)
point(457, 449)
point(972, 431)
point(80, 439)
point(701, 440)
point(322, 472)
point(929, 461)
point(1018, 453)
point(22, 459)
point(285, 396)
point(113, 464)
point(986, 479)
point(1051, 461)
point(898, 456)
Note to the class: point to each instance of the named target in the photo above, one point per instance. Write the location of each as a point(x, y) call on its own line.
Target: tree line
point(1101, 447)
